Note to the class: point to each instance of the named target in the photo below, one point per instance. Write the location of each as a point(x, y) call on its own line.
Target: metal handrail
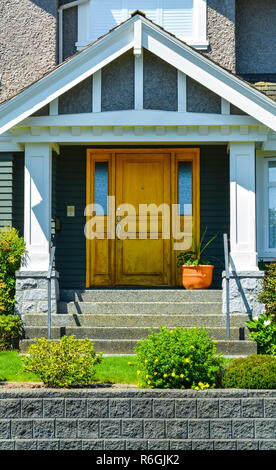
point(227, 279)
point(49, 275)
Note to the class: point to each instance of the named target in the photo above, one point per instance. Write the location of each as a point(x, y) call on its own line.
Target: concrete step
point(125, 346)
point(140, 295)
point(140, 308)
point(131, 320)
point(117, 333)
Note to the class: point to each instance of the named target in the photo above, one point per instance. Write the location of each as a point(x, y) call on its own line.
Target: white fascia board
point(141, 118)
point(210, 75)
point(66, 76)
point(129, 134)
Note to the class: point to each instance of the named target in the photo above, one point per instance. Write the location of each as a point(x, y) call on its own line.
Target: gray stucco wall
point(77, 100)
point(133, 419)
point(200, 99)
point(256, 36)
point(221, 32)
point(118, 84)
point(160, 83)
point(70, 32)
point(27, 43)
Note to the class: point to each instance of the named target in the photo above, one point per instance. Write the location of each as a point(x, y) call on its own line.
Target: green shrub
point(252, 372)
point(179, 358)
point(268, 294)
point(10, 329)
point(12, 248)
point(62, 364)
point(263, 331)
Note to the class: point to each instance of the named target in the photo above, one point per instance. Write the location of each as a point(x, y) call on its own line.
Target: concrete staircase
point(114, 319)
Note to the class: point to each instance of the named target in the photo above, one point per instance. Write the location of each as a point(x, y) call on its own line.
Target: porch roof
point(257, 100)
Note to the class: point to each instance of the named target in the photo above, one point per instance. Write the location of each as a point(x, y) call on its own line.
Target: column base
point(32, 292)
point(244, 287)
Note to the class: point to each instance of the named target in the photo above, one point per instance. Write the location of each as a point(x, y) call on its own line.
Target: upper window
point(186, 19)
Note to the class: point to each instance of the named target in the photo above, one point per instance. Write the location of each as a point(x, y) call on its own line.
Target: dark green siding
point(18, 192)
point(71, 190)
point(6, 170)
point(215, 203)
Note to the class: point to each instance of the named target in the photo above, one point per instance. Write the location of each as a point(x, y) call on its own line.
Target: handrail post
point(49, 275)
point(227, 279)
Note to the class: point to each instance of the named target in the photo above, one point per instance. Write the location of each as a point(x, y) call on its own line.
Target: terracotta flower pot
point(197, 277)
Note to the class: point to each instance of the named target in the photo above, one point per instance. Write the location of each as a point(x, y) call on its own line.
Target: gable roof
point(158, 41)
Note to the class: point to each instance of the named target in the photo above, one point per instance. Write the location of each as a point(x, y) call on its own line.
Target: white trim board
point(121, 39)
point(135, 134)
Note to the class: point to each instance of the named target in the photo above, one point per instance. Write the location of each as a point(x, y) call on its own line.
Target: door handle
point(118, 230)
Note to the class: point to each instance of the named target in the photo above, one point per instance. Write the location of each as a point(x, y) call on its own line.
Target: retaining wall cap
point(133, 393)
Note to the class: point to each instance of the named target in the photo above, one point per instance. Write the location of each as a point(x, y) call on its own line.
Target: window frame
point(262, 202)
point(198, 40)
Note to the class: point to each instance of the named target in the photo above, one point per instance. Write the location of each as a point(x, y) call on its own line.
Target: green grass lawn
point(112, 369)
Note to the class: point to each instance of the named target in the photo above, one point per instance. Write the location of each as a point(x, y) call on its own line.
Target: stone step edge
point(71, 302)
point(123, 341)
point(125, 327)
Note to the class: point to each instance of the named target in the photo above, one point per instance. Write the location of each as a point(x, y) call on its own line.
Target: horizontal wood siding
point(18, 192)
point(215, 204)
point(71, 190)
point(6, 170)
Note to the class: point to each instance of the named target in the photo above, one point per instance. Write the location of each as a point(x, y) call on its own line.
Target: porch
point(138, 91)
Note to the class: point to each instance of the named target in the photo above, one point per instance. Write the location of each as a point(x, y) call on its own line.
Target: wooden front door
point(142, 182)
point(134, 244)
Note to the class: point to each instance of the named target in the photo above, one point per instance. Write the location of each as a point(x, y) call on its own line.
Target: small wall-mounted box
point(70, 211)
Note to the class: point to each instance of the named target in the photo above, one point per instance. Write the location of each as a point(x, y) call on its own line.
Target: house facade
point(109, 107)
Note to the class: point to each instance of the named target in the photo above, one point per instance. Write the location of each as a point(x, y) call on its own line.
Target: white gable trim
point(114, 44)
point(66, 76)
point(210, 75)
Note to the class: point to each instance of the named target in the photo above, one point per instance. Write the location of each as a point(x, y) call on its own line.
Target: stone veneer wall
point(32, 292)
point(243, 292)
point(105, 419)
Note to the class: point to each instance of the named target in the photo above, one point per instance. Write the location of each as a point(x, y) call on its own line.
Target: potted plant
point(196, 272)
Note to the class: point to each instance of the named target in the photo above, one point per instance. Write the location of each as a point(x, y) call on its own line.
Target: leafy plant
point(263, 331)
point(179, 358)
point(268, 294)
point(194, 257)
point(62, 364)
point(12, 248)
point(10, 329)
point(252, 372)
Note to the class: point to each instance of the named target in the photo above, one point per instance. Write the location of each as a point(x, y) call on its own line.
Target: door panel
point(142, 179)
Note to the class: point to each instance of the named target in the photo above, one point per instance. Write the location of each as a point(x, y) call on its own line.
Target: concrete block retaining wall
point(131, 419)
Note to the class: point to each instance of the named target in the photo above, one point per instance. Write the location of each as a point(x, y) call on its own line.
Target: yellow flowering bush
point(12, 248)
point(62, 364)
point(10, 329)
point(180, 358)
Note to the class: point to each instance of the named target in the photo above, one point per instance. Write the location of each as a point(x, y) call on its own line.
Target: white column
point(37, 206)
point(243, 207)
